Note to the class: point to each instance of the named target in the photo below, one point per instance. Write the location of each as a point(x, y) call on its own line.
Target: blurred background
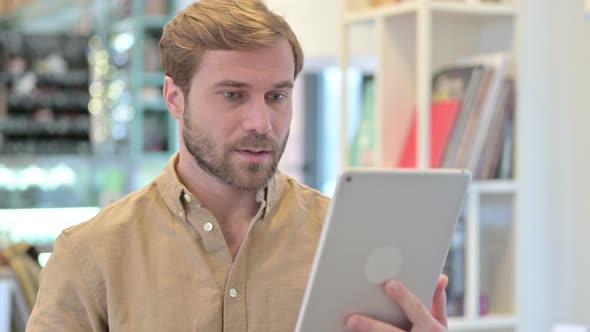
point(500, 87)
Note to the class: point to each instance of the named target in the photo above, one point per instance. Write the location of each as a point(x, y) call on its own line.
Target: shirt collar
point(173, 191)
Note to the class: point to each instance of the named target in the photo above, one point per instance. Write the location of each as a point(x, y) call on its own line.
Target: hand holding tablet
point(383, 225)
point(434, 320)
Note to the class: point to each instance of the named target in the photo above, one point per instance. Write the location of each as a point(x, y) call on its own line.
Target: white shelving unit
point(402, 44)
point(492, 323)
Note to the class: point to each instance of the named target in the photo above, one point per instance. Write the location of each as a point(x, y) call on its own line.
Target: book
point(451, 92)
point(505, 169)
point(454, 269)
point(470, 118)
point(469, 99)
point(442, 119)
point(474, 139)
point(463, 136)
point(492, 150)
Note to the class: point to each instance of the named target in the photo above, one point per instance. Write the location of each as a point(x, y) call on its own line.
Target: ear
point(173, 97)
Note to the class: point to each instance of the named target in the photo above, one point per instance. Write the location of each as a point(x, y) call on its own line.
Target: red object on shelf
point(442, 120)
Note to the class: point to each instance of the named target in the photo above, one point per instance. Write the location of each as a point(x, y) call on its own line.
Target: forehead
point(274, 62)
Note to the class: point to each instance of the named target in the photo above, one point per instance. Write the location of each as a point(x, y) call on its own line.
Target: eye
point(231, 95)
point(277, 97)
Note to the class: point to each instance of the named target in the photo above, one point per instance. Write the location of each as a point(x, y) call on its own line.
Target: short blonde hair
point(220, 25)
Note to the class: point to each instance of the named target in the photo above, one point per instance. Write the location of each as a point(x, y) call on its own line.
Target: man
point(220, 241)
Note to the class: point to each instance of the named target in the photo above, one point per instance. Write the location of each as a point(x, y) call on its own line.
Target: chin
point(249, 181)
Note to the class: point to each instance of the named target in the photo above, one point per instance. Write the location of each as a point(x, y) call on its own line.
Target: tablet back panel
point(381, 224)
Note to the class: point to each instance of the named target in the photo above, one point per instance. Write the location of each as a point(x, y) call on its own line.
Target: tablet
point(381, 224)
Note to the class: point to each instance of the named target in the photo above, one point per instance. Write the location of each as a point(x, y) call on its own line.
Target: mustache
point(255, 141)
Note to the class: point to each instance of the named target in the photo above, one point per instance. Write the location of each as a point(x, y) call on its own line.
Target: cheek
point(216, 124)
point(281, 122)
point(224, 130)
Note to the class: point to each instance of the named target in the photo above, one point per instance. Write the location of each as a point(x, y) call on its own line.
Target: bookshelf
point(401, 45)
point(152, 131)
point(44, 80)
point(99, 108)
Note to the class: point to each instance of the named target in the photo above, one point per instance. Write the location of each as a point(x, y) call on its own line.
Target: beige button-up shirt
point(157, 261)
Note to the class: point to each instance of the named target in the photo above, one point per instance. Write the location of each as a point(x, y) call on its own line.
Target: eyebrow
point(283, 85)
point(237, 84)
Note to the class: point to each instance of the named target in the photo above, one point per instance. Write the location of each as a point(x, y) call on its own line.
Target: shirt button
point(233, 292)
point(187, 198)
point(208, 227)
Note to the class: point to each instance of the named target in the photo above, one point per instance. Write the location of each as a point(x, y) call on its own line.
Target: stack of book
point(471, 119)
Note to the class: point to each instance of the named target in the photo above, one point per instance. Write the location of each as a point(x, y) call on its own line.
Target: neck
point(225, 202)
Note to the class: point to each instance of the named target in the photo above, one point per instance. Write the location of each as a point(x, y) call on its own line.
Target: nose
point(257, 118)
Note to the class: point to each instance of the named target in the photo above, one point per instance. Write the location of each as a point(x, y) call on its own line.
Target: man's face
point(237, 114)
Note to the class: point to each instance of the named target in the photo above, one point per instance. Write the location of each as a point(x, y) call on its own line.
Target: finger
point(361, 323)
point(412, 306)
point(439, 302)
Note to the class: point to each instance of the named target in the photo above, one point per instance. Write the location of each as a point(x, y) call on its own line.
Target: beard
point(216, 159)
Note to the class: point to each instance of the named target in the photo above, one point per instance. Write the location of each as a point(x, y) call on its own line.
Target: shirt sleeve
point(66, 299)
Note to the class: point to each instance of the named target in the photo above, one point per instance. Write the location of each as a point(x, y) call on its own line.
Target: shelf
point(143, 76)
point(73, 78)
point(36, 9)
point(158, 106)
point(366, 64)
point(155, 21)
point(502, 186)
point(148, 22)
point(477, 9)
point(124, 25)
point(15, 136)
point(488, 323)
point(46, 147)
point(372, 14)
point(56, 158)
point(410, 42)
point(56, 101)
point(406, 8)
point(31, 225)
point(157, 156)
point(153, 79)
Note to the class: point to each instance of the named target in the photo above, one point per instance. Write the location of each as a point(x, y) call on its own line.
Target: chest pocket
point(283, 308)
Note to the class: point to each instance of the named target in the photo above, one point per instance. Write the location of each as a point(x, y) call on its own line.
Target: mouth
point(254, 155)
point(254, 150)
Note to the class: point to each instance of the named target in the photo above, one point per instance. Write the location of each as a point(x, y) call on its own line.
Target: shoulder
point(115, 220)
point(304, 190)
point(305, 197)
